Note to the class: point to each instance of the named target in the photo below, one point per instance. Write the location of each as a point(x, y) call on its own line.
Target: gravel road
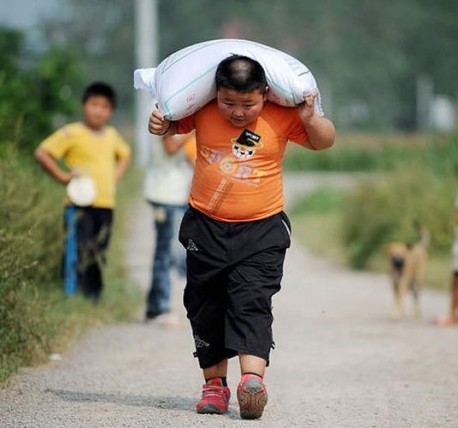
point(340, 360)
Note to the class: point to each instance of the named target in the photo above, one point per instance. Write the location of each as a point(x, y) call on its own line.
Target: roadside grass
point(373, 153)
point(36, 317)
point(408, 179)
point(121, 298)
point(317, 221)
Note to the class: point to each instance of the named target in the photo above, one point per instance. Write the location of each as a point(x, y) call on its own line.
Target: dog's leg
point(402, 291)
point(415, 287)
point(418, 284)
point(397, 308)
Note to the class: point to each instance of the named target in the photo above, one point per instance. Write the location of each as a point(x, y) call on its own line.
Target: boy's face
point(97, 110)
point(240, 108)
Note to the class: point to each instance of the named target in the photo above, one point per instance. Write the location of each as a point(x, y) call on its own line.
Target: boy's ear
point(266, 91)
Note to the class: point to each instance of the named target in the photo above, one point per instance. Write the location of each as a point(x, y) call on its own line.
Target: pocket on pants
point(286, 227)
point(188, 227)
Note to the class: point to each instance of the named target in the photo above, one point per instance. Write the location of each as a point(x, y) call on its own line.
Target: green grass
point(318, 225)
point(414, 180)
point(374, 153)
point(36, 318)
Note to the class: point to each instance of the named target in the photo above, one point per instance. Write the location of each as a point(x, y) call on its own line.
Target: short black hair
point(100, 89)
point(240, 73)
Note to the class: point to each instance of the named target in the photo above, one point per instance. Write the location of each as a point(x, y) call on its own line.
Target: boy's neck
point(95, 129)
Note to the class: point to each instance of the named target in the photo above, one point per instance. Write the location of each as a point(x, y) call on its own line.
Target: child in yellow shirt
point(93, 149)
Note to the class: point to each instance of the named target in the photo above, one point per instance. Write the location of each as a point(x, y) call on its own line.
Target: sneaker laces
point(213, 391)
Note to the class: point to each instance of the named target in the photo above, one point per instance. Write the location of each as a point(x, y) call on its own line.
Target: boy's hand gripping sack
point(185, 81)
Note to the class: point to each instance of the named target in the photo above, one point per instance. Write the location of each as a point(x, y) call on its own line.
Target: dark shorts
point(93, 232)
point(233, 270)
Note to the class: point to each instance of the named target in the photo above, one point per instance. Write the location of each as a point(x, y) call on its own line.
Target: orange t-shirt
point(235, 182)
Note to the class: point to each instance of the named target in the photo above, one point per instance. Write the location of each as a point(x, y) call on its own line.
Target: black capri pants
point(233, 270)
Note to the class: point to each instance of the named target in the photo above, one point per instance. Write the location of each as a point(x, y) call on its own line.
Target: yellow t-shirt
point(236, 182)
point(90, 153)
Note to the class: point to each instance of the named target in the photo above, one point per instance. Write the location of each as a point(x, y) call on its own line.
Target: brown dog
point(407, 271)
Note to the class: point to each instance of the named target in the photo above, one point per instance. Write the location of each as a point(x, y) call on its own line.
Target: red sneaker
point(215, 398)
point(252, 396)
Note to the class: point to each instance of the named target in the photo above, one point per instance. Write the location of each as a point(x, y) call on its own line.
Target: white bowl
point(81, 191)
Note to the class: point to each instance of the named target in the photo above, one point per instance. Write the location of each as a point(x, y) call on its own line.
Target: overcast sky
point(26, 14)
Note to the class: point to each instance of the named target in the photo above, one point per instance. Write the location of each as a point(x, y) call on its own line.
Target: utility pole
point(425, 93)
point(146, 53)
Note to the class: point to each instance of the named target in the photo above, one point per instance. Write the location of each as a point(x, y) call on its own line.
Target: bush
point(36, 317)
point(35, 90)
point(30, 245)
point(370, 153)
point(319, 201)
point(386, 210)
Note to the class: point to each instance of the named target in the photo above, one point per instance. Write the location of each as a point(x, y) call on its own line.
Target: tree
point(366, 55)
point(35, 90)
point(101, 36)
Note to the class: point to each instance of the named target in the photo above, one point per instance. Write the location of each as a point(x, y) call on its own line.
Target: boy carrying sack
point(235, 230)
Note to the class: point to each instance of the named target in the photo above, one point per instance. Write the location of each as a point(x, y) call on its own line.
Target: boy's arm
point(320, 130)
point(121, 166)
point(186, 142)
point(50, 165)
point(173, 145)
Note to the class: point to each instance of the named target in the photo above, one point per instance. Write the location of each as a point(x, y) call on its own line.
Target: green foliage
point(417, 185)
point(35, 92)
point(100, 34)
point(29, 212)
point(365, 56)
point(36, 318)
point(323, 200)
point(316, 221)
point(386, 209)
point(421, 187)
point(28, 216)
point(364, 153)
point(340, 158)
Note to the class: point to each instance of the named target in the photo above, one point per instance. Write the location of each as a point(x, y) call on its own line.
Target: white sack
point(185, 81)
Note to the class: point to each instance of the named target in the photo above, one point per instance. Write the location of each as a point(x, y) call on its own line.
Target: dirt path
point(340, 361)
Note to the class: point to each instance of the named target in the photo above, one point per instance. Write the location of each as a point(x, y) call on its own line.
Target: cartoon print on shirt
point(234, 164)
point(246, 144)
